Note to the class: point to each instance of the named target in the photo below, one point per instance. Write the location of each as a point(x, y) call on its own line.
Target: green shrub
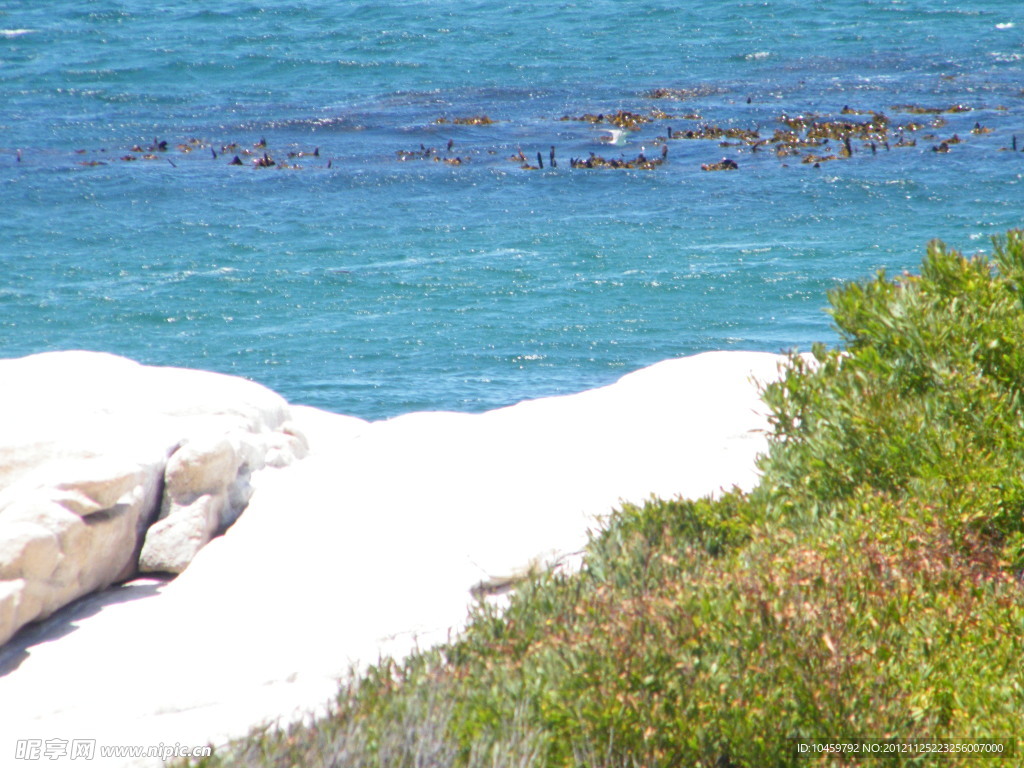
point(926, 400)
point(875, 627)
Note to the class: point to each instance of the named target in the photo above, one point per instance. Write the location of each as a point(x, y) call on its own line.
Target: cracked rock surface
point(109, 468)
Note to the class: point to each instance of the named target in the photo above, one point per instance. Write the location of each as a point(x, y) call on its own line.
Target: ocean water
point(374, 275)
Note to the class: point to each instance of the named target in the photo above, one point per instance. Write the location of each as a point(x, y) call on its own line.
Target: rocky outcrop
point(109, 468)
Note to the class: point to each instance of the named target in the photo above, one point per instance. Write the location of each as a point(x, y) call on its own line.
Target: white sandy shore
point(370, 545)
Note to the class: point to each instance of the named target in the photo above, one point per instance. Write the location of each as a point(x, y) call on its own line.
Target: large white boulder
point(109, 467)
point(326, 570)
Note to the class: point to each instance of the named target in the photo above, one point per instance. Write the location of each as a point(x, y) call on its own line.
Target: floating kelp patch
point(474, 120)
point(683, 94)
point(629, 121)
point(814, 128)
point(640, 162)
point(715, 132)
point(431, 153)
point(914, 109)
point(810, 138)
point(725, 164)
point(258, 155)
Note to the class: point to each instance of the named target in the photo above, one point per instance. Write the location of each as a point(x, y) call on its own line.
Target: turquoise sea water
point(375, 278)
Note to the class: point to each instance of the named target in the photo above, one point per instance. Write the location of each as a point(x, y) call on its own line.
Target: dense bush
point(868, 588)
point(925, 401)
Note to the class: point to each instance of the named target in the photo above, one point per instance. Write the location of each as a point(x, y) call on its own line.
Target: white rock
point(196, 504)
point(91, 441)
point(172, 542)
point(200, 466)
point(72, 537)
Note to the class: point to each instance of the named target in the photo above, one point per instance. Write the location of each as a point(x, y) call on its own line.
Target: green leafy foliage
point(868, 588)
point(925, 401)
